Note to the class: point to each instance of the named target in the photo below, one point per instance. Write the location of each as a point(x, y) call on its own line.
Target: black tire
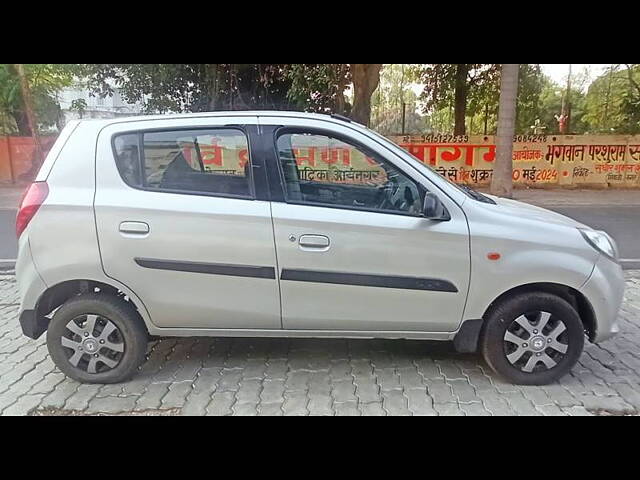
point(502, 317)
point(131, 332)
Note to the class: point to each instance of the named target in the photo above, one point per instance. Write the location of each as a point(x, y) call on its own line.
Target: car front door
point(353, 250)
point(182, 222)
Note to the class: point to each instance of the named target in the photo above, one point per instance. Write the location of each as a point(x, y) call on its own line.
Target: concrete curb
point(630, 264)
point(7, 266)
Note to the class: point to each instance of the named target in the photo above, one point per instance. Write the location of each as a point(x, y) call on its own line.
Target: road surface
point(8, 243)
point(621, 222)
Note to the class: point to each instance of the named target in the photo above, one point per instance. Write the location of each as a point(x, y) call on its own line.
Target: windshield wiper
point(476, 195)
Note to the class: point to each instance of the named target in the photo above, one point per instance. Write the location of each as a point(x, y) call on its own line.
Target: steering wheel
point(397, 195)
point(386, 193)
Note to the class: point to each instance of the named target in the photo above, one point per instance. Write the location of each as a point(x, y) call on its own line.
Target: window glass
point(207, 161)
point(127, 159)
point(319, 169)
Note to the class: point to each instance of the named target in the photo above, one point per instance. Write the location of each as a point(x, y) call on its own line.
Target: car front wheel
point(533, 338)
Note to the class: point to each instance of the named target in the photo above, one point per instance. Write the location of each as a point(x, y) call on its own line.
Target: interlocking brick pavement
point(224, 376)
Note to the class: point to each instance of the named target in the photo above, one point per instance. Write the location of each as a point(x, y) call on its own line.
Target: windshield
point(467, 190)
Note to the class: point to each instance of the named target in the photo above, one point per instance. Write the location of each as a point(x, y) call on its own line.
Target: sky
point(558, 71)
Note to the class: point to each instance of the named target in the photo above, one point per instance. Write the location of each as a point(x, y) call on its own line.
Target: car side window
point(322, 170)
point(127, 158)
point(207, 161)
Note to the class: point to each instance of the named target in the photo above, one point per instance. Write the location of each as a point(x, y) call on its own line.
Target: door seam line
point(275, 250)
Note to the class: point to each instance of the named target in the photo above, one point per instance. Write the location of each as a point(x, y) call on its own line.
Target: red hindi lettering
point(243, 157)
point(211, 154)
point(490, 156)
point(310, 158)
point(457, 153)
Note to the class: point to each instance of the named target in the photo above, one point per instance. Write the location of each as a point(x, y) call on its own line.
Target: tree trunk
point(60, 119)
point(212, 76)
point(366, 77)
point(460, 113)
point(19, 114)
point(28, 108)
point(502, 182)
point(341, 103)
point(22, 122)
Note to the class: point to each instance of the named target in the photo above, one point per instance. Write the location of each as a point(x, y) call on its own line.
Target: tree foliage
point(551, 99)
point(531, 82)
point(319, 87)
point(612, 103)
point(398, 84)
point(45, 82)
point(201, 87)
point(454, 104)
point(454, 98)
point(192, 87)
point(465, 87)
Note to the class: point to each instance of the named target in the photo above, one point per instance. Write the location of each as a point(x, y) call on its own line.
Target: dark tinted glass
point(319, 169)
point(212, 161)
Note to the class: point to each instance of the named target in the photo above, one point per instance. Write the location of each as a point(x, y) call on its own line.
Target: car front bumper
point(605, 291)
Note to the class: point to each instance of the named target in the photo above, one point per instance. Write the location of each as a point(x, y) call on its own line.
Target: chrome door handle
point(135, 228)
point(314, 241)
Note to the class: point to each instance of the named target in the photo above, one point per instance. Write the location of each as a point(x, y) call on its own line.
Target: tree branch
point(631, 79)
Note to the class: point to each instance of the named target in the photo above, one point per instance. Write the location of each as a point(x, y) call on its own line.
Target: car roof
point(230, 113)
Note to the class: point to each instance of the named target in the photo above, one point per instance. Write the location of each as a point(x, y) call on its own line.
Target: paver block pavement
point(246, 377)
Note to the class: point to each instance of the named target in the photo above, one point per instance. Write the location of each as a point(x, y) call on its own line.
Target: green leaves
point(612, 103)
point(319, 87)
point(481, 93)
point(439, 84)
point(45, 82)
point(397, 86)
point(191, 87)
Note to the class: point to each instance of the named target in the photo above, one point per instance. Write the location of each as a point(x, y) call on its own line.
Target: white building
point(96, 107)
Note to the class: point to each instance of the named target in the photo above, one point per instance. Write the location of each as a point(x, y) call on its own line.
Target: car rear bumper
point(31, 287)
point(605, 291)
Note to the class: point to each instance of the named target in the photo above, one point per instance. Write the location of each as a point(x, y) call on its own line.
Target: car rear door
point(354, 253)
point(183, 221)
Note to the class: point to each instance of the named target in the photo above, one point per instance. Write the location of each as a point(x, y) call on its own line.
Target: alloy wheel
point(93, 343)
point(536, 341)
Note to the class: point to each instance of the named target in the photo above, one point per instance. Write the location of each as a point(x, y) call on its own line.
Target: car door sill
point(277, 333)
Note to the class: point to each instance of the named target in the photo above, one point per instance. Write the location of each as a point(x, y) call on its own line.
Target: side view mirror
point(434, 209)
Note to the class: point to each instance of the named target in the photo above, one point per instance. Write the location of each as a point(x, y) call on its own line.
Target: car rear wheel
point(533, 338)
point(97, 338)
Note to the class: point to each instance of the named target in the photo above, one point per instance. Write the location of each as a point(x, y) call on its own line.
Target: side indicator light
point(493, 256)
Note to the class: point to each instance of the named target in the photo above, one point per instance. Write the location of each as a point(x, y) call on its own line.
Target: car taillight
point(31, 201)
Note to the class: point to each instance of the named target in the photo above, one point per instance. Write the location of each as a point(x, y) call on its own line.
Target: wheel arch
point(575, 298)
point(55, 296)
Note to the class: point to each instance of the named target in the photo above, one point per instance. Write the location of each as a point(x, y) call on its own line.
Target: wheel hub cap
point(536, 341)
point(538, 344)
point(93, 343)
point(90, 345)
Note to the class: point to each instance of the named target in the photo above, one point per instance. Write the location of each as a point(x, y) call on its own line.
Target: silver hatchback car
point(293, 225)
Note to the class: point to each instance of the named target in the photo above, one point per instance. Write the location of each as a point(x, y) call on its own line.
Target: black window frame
point(251, 180)
point(278, 131)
